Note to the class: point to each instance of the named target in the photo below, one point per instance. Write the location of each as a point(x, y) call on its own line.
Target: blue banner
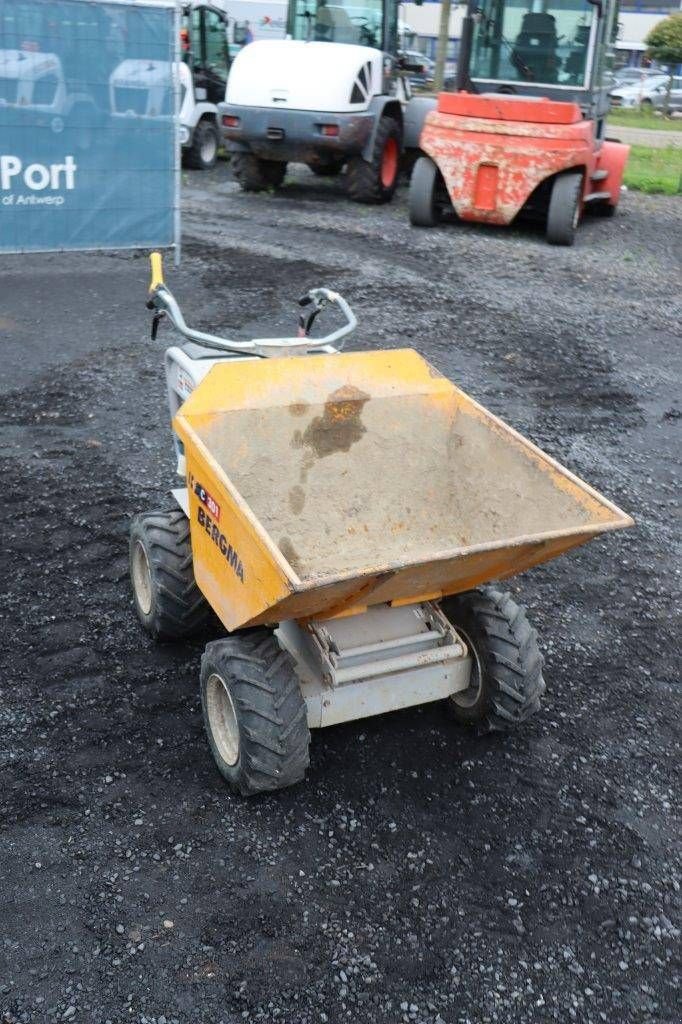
point(88, 153)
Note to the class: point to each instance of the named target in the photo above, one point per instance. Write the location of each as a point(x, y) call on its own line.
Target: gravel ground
point(421, 873)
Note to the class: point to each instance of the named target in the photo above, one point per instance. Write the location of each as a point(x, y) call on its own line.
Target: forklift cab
point(535, 55)
point(558, 49)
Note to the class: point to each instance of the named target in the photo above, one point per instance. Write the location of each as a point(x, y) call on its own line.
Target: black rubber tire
point(176, 609)
point(507, 681)
point(204, 132)
point(563, 213)
point(270, 712)
point(424, 203)
point(256, 175)
point(326, 170)
point(363, 177)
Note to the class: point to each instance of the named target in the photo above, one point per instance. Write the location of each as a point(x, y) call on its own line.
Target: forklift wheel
point(564, 209)
point(203, 152)
point(254, 713)
point(428, 194)
point(375, 180)
point(506, 672)
point(167, 599)
point(256, 175)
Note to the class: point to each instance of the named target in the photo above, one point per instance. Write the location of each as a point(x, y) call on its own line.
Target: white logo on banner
point(36, 178)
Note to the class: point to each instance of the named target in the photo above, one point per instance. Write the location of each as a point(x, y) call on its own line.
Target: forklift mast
point(559, 49)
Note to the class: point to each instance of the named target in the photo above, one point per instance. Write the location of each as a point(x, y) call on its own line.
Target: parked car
point(676, 96)
point(633, 76)
point(415, 60)
point(649, 94)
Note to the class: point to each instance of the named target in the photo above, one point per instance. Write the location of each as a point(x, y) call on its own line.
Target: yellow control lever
point(156, 260)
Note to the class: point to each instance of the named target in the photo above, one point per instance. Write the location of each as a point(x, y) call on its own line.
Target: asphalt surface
point(422, 873)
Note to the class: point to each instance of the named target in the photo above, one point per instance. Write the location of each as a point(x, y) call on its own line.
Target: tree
point(664, 45)
point(442, 45)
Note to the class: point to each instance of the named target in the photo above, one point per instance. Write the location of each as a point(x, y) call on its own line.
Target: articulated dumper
point(348, 517)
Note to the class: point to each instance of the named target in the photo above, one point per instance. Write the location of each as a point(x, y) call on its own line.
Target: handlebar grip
point(156, 260)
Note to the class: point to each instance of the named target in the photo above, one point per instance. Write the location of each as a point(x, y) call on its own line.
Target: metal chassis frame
point(372, 678)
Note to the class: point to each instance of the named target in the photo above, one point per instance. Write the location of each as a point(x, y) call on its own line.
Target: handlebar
point(162, 300)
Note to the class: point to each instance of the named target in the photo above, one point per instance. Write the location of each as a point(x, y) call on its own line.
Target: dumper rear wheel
point(328, 169)
point(506, 675)
point(254, 713)
point(375, 180)
point(167, 599)
point(256, 175)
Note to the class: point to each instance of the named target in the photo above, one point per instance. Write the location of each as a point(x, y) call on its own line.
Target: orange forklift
point(523, 134)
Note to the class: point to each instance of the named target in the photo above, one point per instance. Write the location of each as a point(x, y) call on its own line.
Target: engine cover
point(289, 74)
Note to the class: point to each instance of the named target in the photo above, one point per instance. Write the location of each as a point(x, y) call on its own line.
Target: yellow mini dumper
point(352, 507)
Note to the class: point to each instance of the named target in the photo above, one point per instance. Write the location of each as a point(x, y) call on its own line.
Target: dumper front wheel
point(256, 175)
point(254, 713)
point(167, 599)
point(506, 681)
point(203, 153)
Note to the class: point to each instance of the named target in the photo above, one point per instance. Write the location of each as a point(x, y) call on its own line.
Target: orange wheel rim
point(389, 163)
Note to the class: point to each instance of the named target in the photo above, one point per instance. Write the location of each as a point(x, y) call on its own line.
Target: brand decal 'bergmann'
point(221, 542)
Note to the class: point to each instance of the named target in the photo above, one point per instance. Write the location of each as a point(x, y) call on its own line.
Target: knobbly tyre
point(351, 509)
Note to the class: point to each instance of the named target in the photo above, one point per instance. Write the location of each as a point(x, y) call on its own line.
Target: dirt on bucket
point(360, 483)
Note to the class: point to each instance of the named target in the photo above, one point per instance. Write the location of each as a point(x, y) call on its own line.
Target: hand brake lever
point(156, 320)
point(305, 323)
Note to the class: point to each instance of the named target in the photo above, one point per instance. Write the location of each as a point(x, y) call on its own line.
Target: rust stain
point(339, 427)
point(336, 430)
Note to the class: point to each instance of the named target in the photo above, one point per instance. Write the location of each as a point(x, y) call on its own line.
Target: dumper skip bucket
point(323, 484)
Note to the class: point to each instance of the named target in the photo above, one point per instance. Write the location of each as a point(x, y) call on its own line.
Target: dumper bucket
point(323, 484)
